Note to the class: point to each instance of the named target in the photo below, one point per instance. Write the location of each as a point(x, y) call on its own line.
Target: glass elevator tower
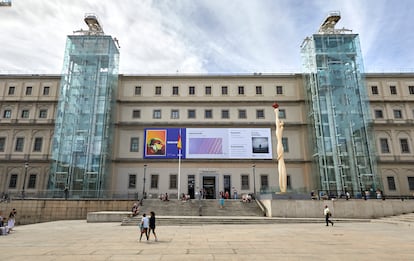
point(344, 155)
point(82, 140)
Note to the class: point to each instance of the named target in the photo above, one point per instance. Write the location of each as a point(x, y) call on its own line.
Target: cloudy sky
point(204, 36)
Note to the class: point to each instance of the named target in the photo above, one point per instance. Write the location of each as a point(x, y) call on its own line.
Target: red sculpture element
point(275, 105)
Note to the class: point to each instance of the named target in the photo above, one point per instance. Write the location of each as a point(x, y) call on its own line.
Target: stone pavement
point(78, 240)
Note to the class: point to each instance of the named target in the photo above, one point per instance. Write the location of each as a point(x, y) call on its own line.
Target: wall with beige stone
point(339, 208)
point(35, 211)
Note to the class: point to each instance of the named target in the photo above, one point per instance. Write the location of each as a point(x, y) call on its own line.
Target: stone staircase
point(206, 211)
point(401, 220)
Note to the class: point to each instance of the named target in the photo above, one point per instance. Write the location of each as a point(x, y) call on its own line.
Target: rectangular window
point(397, 114)
point(11, 90)
point(279, 90)
point(285, 143)
point(224, 90)
point(7, 114)
point(245, 182)
point(32, 181)
point(173, 181)
point(138, 90)
point(132, 181)
point(156, 114)
point(19, 144)
point(391, 183)
point(374, 90)
point(154, 181)
point(384, 145)
point(25, 114)
point(43, 114)
point(191, 114)
point(175, 114)
point(136, 114)
point(410, 183)
point(208, 90)
point(37, 146)
point(260, 114)
point(208, 114)
point(404, 146)
point(191, 90)
point(2, 143)
point(13, 181)
point(225, 114)
point(264, 182)
point(134, 144)
point(411, 89)
point(46, 90)
point(282, 113)
point(175, 90)
point(157, 90)
point(241, 90)
point(242, 114)
point(379, 114)
point(29, 90)
point(259, 90)
point(393, 90)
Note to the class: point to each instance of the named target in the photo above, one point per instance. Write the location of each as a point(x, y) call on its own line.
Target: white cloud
point(166, 36)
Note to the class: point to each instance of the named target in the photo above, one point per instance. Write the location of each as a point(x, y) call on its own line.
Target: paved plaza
point(78, 240)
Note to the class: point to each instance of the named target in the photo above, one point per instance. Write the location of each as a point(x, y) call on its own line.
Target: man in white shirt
point(327, 214)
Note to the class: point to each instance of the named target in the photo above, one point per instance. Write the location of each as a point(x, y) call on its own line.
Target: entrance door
point(227, 184)
point(209, 185)
point(190, 186)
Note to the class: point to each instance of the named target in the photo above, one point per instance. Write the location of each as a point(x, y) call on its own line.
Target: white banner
point(224, 143)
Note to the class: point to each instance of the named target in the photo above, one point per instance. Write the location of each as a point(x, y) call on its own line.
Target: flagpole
point(179, 163)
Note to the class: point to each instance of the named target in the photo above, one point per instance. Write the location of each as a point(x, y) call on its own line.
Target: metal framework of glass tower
point(82, 140)
point(344, 155)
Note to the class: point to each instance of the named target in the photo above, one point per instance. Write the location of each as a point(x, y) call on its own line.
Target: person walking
point(327, 214)
point(152, 225)
point(12, 219)
point(144, 226)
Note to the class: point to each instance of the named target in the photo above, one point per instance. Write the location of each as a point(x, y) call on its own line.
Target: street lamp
point(26, 166)
point(143, 187)
point(254, 179)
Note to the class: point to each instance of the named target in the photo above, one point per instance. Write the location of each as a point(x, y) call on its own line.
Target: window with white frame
point(134, 144)
point(7, 114)
point(156, 114)
point(175, 114)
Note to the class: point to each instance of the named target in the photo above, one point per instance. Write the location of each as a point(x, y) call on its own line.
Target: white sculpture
point(280, 159)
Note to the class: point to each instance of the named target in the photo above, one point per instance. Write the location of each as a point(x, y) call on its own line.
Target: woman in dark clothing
point(152, 225)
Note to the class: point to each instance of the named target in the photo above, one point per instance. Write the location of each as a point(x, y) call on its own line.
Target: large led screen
point(224, 143)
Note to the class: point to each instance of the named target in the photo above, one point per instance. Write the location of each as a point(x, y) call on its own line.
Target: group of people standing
point(147, 225)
